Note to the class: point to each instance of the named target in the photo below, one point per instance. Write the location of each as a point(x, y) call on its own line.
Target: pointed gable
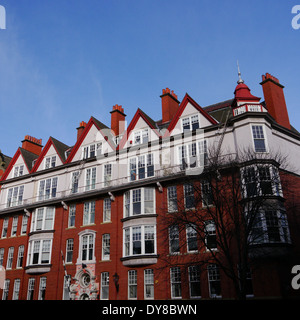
point(95, 135)
point(21, 164)
point(52, 155)
point(141, 121)
point(187, 109)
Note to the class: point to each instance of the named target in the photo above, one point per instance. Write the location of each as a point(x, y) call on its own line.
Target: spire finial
point(239, 73)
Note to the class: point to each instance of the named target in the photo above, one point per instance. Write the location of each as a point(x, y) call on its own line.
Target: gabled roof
point(187, 99)
point(28, 158)
point(58, 146)
point(139, 114)
point(108, 136)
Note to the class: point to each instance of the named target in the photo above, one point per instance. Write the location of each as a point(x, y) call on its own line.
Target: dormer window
point(190, 123)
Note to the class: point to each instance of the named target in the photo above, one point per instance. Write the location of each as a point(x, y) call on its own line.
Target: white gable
point(49, 159)
point(188, 112)
point(93, 137)
point(18, 169)
point(141, 128)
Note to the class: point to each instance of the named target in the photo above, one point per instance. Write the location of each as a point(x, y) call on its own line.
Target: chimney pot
point(80, 129)
point(32, 144)
point(117, 119)
point(170, 104)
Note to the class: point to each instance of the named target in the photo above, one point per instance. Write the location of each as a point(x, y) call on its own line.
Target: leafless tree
point(233, 213)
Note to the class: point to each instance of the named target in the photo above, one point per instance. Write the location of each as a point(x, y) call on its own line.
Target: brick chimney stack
point(32, 144)
point(275, 101)
point(170, 104)
point(80, 129)
point(117, 120)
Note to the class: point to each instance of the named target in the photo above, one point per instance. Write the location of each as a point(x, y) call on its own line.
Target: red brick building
point(88, 221)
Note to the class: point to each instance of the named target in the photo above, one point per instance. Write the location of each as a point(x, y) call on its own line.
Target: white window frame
point(129, 201)
point(6, 289)
point(75, 181)
point(91, 238)
point(69, 249)
point(16, 289)
point(72, 216)
point(192, 155)
point(257, 180)
point(190, 120)
point(50, 162)
point(92, 150)
point(1, 256)
point(187, 189)
point(4, 227)
point(106, 210)
point(42, 288)
point(24, 224)
point(106, 246)
point(104, 293)
point(10, 258)
point(264, 138)
point(15, 196)
point(148, 284)
point(210, 231)
point(90, 178)
point(175, 280)
point(142, 163)
point(38, 247)
point(44, 217)
point(207, 198)
point(19, 170)
point(129, 239)
point(174, 237)
point(107, 174)
point(172, 199)
point(213, 275)
point(14, 227)
point(132, 284)
point(47, 189)
point(282, 226)
point(191, 233)
point(30, 289)
point(194, 279)
point(89, 213)
point(20, 259)
point(140, 136)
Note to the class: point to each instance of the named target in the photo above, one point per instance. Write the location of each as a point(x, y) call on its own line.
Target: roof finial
point(239, 73)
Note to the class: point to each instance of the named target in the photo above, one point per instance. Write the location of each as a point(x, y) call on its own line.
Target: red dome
point(242, 92)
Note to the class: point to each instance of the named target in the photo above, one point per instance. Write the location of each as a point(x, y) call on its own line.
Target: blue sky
point(63, 61)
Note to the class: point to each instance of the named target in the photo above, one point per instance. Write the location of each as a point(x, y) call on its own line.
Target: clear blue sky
point(63, 61)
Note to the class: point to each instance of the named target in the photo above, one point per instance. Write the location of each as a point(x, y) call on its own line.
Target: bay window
point(43, 219)
point(139, 201)
point(39, 252)
point(260, 180)
point(139, 240)
point(270, 226)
